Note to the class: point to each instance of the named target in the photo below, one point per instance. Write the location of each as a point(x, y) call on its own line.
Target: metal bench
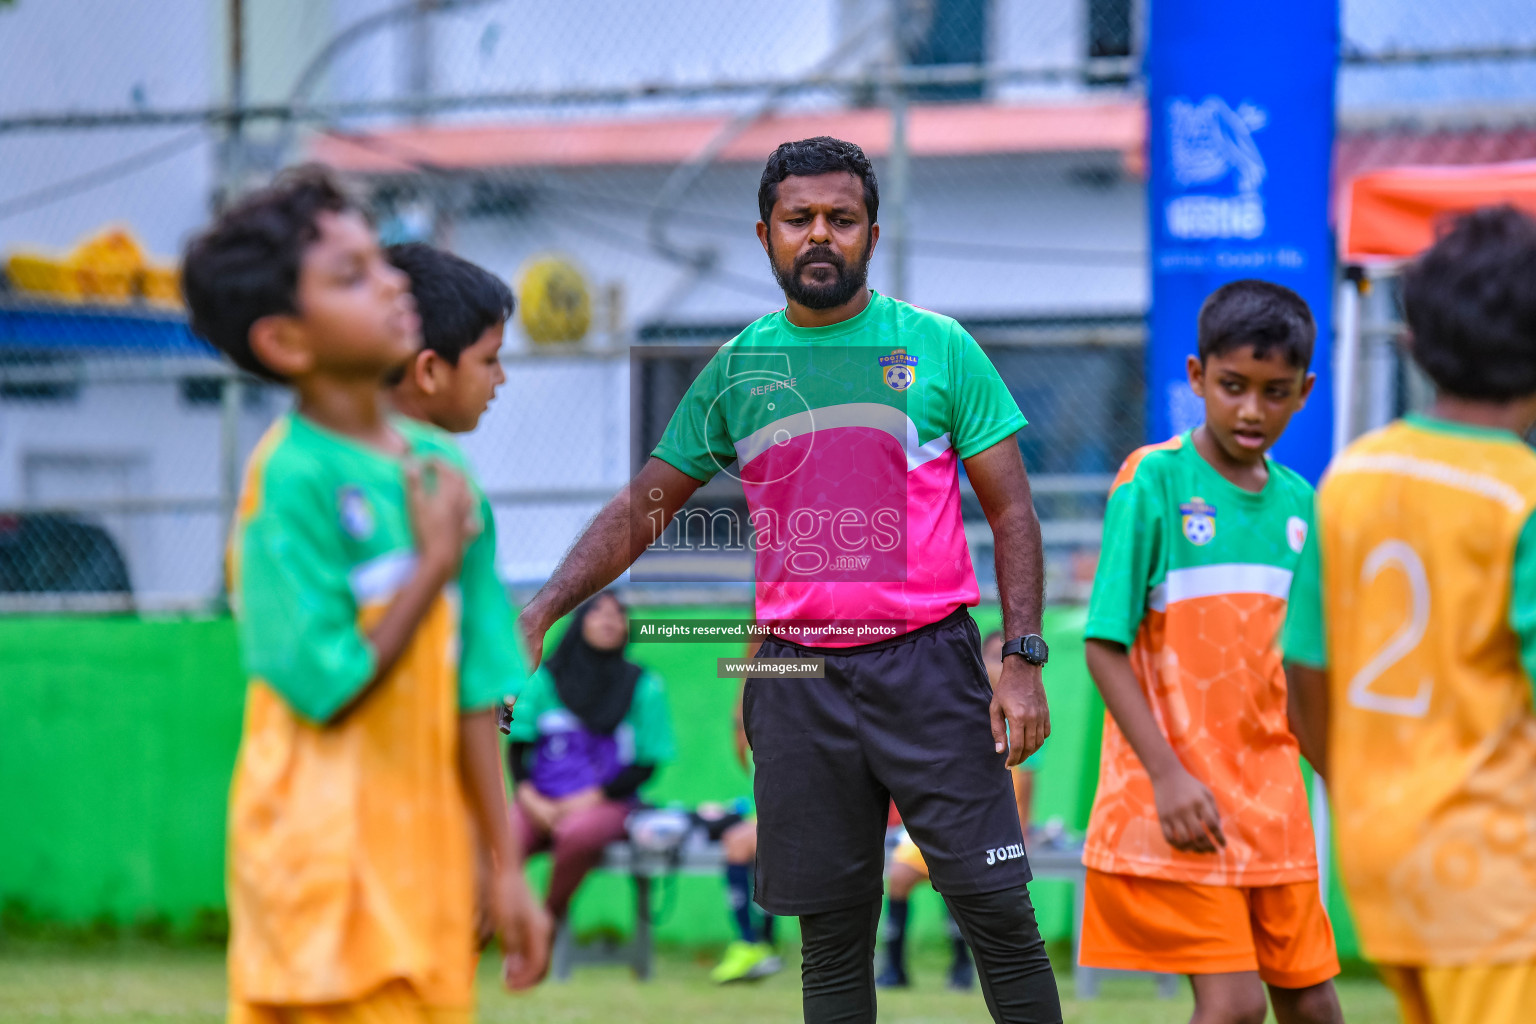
point(697, 856)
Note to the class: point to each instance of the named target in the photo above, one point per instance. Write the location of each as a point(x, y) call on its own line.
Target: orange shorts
point(1151, 924)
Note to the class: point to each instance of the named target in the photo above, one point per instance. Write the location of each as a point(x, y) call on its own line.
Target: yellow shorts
point(1151, 924)
point(908, 855)
point(1478, 994)
point(395, 1003)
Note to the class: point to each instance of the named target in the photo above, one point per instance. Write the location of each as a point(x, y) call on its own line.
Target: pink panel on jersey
point(849, 530)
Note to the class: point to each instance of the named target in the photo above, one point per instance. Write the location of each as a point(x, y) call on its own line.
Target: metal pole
point(896, 191)
point(300, 110)
point(237, 57)
point(233, 162)
point(418, 85)
point(1322, 835)
point(229, 457)
point(1346, 362)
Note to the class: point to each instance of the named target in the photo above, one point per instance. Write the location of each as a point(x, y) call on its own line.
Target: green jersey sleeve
point(1305, 639)
point(490, 663)
point(697, 441)
point(1522, 596)
point(296, 612)
point(538, 692)
point(655, 743)
point(984, 412)
point(1131, 560)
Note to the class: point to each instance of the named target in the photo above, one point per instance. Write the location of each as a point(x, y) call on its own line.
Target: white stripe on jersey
point(1216, 580)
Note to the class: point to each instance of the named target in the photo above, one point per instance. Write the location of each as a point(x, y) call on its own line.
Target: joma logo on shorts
point(1013, 851)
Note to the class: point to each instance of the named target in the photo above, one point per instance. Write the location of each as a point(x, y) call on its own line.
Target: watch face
point(1035, 649)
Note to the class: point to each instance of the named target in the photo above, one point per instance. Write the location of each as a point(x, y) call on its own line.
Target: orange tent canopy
point(1393, 214)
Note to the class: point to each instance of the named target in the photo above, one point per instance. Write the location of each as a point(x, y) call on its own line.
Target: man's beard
point(822, 295)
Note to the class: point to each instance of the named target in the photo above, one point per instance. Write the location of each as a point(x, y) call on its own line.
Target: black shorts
point(905, 718)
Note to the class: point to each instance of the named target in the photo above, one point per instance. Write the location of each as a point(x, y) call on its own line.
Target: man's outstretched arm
point(619, 534)
point(1020, 717)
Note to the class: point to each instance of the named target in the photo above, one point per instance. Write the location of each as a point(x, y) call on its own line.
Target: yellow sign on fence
point(554, 302)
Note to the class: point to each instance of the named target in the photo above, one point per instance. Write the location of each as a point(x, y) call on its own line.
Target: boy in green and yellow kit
point(374, 637)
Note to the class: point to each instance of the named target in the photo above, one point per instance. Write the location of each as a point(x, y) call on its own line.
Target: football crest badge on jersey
point(1199, 521)
point(900, 370)
point(1296, 533)
point(356, 513)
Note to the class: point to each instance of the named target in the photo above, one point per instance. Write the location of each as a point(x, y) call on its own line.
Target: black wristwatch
point(1031, 647)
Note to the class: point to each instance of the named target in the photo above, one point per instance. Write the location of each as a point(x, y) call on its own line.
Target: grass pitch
point(137, 983)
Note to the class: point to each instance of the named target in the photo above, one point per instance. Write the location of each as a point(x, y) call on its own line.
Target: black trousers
point(838, 960)
point(905, 719)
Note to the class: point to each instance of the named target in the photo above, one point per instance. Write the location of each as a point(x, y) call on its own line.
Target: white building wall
point(558, 426)
point(990, 238)
point(1373, 26)
point(130, 441)
point(551, 449)
point(78, 55)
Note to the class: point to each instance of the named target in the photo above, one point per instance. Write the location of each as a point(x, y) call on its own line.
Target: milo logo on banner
point(1211, 148)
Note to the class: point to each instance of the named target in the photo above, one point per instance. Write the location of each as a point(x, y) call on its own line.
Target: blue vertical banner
point(1241, 103)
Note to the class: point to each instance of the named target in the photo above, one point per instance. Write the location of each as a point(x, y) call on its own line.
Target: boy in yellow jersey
point(1199, 850)
point(1429, 580)
point(374, 636)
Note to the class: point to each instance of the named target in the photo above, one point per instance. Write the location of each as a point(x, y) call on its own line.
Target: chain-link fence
point(604, 156)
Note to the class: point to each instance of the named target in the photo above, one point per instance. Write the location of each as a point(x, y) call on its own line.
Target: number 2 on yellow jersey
point(1398, 555)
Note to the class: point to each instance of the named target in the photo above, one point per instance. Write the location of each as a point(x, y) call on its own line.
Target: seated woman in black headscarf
point(591, 727)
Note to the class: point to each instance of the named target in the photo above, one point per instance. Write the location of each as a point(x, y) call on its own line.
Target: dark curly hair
point(1470, 301)
point(821, 155)
point(245, 265)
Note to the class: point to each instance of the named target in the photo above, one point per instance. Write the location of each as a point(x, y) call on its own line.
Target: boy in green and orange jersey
point(356, 575)
point(1428, 548)
point(1200, 850)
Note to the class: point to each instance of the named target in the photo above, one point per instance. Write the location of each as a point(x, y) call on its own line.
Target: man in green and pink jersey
point(847, 416)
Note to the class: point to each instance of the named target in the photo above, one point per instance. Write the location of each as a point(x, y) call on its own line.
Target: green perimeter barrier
point(118, 737)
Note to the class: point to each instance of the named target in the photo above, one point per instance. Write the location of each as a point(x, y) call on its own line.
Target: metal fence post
point(232, 398)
